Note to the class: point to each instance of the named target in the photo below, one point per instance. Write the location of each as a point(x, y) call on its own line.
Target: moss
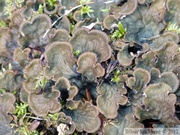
point(86, 10)
point(3, 24)
point(119, 33)
point(21, 110)
point(12, 5)
point(41, 81)
point(173, 27)
point(51, 3)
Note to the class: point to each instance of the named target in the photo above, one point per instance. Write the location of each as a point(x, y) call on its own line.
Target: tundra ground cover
point(88, 66)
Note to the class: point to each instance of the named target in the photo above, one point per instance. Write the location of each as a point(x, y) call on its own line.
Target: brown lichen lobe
point(88, 66)
point(91, 41)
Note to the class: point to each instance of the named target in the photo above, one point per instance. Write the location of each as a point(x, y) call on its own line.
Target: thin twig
point(36, 118)
point(111, 67)
point(67, 12)
point(151, 38)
